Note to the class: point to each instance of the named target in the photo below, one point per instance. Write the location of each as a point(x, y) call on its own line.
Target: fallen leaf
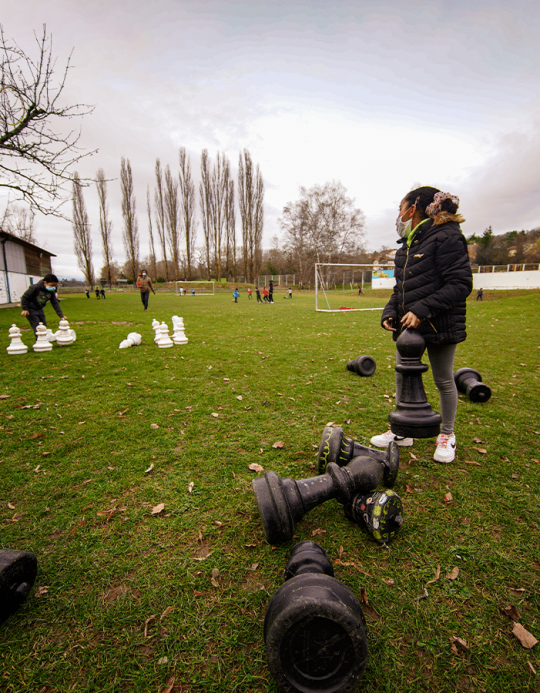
point(170, 684)
point(158, 509)
point(254, 566)
point(388, 581)
point(167, 611)
point(452, 575)
point(151, 618)
point(409, 488)
point(154, 426)
point(37, 468)
point(11, 507)
point(511, 612)
point(278, 444)
point(38, 435)
point(239, 398)
point(412, 456)
point(460, 643)
point(318, 531)
point(214, 582)
point(364, 596)
point(214, 415)
point(40, 591)
point(533, 670)
point(255, 467)
point(478, 421)
point(5, 396)
point(478, 440)
point(147, 471)
point(437, 576)
point(215, 572)
point(81, 423)
point(534, 460)
point(347, 421)
point(163, 660)
point(190, 486)
point(448, 497)
point(481, 450)
point(525, 638)
point(476, 464)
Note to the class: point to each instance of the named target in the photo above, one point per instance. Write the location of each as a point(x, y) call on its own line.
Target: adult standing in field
point(430, 297)
point(144, 284)
point(271, 292)
point(36, 297)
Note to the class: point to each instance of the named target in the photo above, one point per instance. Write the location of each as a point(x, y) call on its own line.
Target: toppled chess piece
point(179, 336)
point(283, 502)
point(413, 416)
point(18, 571)
point(164, 341)
point(469, 382)
point(16, 345)
point(314, 628)
point(42, 343)
point(363, 365)
point(64, 335)
point(133, 339)
point(379, 513)
point(338, 448)
point(51, 336)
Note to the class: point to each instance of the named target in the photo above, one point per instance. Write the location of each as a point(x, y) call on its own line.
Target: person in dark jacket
point(144, 283)
point(433, 279)
point(36, 297)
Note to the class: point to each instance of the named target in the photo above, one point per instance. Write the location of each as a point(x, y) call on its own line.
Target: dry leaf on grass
point(254, 566)
point(239, 398)
point(158, 509)
point(255, 467)
point(412, 456)
point(437, 576)
point(409, 488)
point(163, 660)
point(10, 506)
point(448, 497)
point(190, 486)
point(476, 464)
point(154, 426)
point(278, 444)
point(5, 396)
point(478, 440)
point(511, 612)
point(533, 670)
point(318, 531)
point(481, 450)
point(214, 415)
point(167, 611)
point(525, 638)
point(151, 618)
point(388, 581)
point(452, 575)
point(147, 471)
point(364, 596)
point(40, 591)
point(458, 643)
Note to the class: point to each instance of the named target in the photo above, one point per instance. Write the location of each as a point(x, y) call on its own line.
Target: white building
point(21, 264)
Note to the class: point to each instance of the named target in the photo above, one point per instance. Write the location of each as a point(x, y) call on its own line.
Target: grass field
point(130, 601)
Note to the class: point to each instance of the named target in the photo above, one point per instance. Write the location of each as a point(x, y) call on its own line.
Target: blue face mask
point(50, 288)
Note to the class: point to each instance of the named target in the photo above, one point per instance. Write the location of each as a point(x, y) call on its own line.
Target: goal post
point(195, 288)
point(337, 285)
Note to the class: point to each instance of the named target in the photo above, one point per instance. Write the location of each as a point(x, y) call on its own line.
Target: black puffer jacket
point(433, 279)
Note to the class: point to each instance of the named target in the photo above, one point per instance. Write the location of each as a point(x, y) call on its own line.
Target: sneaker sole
point(402, 444)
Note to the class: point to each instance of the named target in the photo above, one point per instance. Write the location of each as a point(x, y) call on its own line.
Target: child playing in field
point(36, 297)
point(236, 294)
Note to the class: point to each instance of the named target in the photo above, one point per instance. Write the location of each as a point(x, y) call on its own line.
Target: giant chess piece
point(63, 335)
point(164, 341)
point(283, 502)
point(379, 513)
point(16, 346)
point(156, 325)
point(133, 339)
point(469, 382)
point(338, 448)
point(18, 571)
point(51, 336)
point(314, 629)
point(179, 336)
point(413, 416)
point(363, 365)
point(42, 343)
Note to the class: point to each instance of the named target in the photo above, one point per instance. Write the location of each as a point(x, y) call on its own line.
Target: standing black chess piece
point(363, 365)
point(338, 448)
point(18, 570)
point(413, 416)
point(284, 502)
point(314, 628)
point(379, 513)
point(469, 382)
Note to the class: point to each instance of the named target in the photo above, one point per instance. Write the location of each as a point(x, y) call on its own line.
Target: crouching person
point(36, 297)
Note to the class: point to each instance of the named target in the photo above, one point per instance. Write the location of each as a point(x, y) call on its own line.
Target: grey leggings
point(441, 358)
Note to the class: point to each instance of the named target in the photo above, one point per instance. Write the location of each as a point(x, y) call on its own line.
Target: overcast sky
point(382, 95)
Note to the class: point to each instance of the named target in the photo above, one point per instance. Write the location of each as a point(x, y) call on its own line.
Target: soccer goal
point(195, 288)
point(341, 286)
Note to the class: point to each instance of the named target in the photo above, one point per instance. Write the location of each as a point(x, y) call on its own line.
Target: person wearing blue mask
point(36, 297)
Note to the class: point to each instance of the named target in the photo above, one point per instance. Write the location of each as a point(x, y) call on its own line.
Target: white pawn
point(133, 339)
point(42, 343)
point(17, 346)
point(179, 336)
point(64, 336)
point(155, 327)
point(164, 341)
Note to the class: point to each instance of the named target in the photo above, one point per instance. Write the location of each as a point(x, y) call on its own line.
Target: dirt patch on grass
point(115, 593)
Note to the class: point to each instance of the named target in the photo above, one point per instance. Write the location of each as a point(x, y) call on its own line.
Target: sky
point(381, 95)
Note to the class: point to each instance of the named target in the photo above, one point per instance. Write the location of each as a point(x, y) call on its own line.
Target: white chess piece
point(164, 341)
point(42, 343)
point(155, 327)
point(133, 339)
point(51, 336)
point(179, 336)
point(17, 346)
point(63, 336)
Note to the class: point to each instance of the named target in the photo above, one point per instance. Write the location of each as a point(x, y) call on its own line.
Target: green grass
point(74, 469)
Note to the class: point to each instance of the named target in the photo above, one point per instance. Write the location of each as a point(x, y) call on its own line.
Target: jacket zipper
point(404, 270)
point(432, 325)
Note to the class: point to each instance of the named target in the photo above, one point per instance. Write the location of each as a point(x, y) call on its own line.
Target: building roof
point(20, 241)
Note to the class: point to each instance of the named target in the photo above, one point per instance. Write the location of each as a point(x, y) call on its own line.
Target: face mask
point(50, 288)
point(403, 228)
point(144, 274)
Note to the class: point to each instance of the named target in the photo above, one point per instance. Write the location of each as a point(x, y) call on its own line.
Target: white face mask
point(403, 228)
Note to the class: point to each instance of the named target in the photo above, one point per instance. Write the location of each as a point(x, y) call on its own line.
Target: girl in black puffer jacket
point(433, 280)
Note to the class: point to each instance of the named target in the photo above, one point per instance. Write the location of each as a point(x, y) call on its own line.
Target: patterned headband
point(435, 207)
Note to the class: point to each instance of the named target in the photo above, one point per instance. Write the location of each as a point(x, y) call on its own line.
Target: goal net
point(195, 288)
point(341, 287)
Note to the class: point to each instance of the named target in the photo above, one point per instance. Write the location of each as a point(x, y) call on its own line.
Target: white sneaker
point(446, 448)
point(385, 439)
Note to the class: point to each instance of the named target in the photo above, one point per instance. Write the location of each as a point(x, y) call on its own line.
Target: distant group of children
point(100, 293)
point(267, 294)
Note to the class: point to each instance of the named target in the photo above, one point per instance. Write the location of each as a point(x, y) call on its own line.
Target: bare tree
point(34, 155)
point(172, 210)
point(82, 240)
point(105, 226)
point(250, 200)
point(153, 268)
point(159, 200)
point(219, 184)
point(19, 221)
point(130, 231)
point(187, 204)
point(205, 193)
point(230, 223)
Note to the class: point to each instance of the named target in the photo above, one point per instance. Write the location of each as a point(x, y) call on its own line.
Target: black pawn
point(314, 628)
point(469, 382)
point(18, 570)
point(413, 416)
point(338, 448)
point(363, 365)
point(379, 513)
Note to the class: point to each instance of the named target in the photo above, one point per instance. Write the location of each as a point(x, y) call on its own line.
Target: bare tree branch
point(131, 228)
point(82, 240)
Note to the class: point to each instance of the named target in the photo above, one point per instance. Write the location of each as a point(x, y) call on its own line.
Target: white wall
point(529, 279)
point(18, 283)
point(382, 283)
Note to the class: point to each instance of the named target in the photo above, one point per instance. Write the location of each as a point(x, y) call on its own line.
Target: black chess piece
point(284, 502)
point(379, 513)
point(413, 416)
point(314, 629)
point(18, 570)
point(338, 448)
point(363, 365)
point(469, 382)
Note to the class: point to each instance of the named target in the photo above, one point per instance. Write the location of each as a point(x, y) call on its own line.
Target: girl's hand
point(387, 324)
point(410, 320)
